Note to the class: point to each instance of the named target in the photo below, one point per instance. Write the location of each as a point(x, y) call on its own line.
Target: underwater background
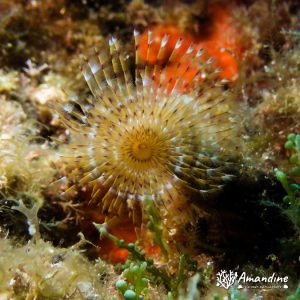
point(149, 149)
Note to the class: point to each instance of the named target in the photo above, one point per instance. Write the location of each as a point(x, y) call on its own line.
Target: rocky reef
point(149, 150)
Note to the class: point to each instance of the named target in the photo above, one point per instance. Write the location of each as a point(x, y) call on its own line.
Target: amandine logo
point(227, 279)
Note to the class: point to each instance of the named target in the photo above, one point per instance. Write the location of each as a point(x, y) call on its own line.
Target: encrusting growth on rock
point(154, 137)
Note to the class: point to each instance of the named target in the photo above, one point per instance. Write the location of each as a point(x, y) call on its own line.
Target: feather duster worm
point(137, 138)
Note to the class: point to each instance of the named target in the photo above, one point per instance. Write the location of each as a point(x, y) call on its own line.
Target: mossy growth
point(141, 275)
point(9, 81)
point(290, 182)
point(295, 295)
point(40, 271)
point(292, 188)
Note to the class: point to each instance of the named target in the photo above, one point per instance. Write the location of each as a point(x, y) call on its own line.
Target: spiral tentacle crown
point(149, 136)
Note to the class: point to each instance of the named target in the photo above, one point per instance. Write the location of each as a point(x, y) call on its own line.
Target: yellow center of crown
point(141, 151)
point(144, 149)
